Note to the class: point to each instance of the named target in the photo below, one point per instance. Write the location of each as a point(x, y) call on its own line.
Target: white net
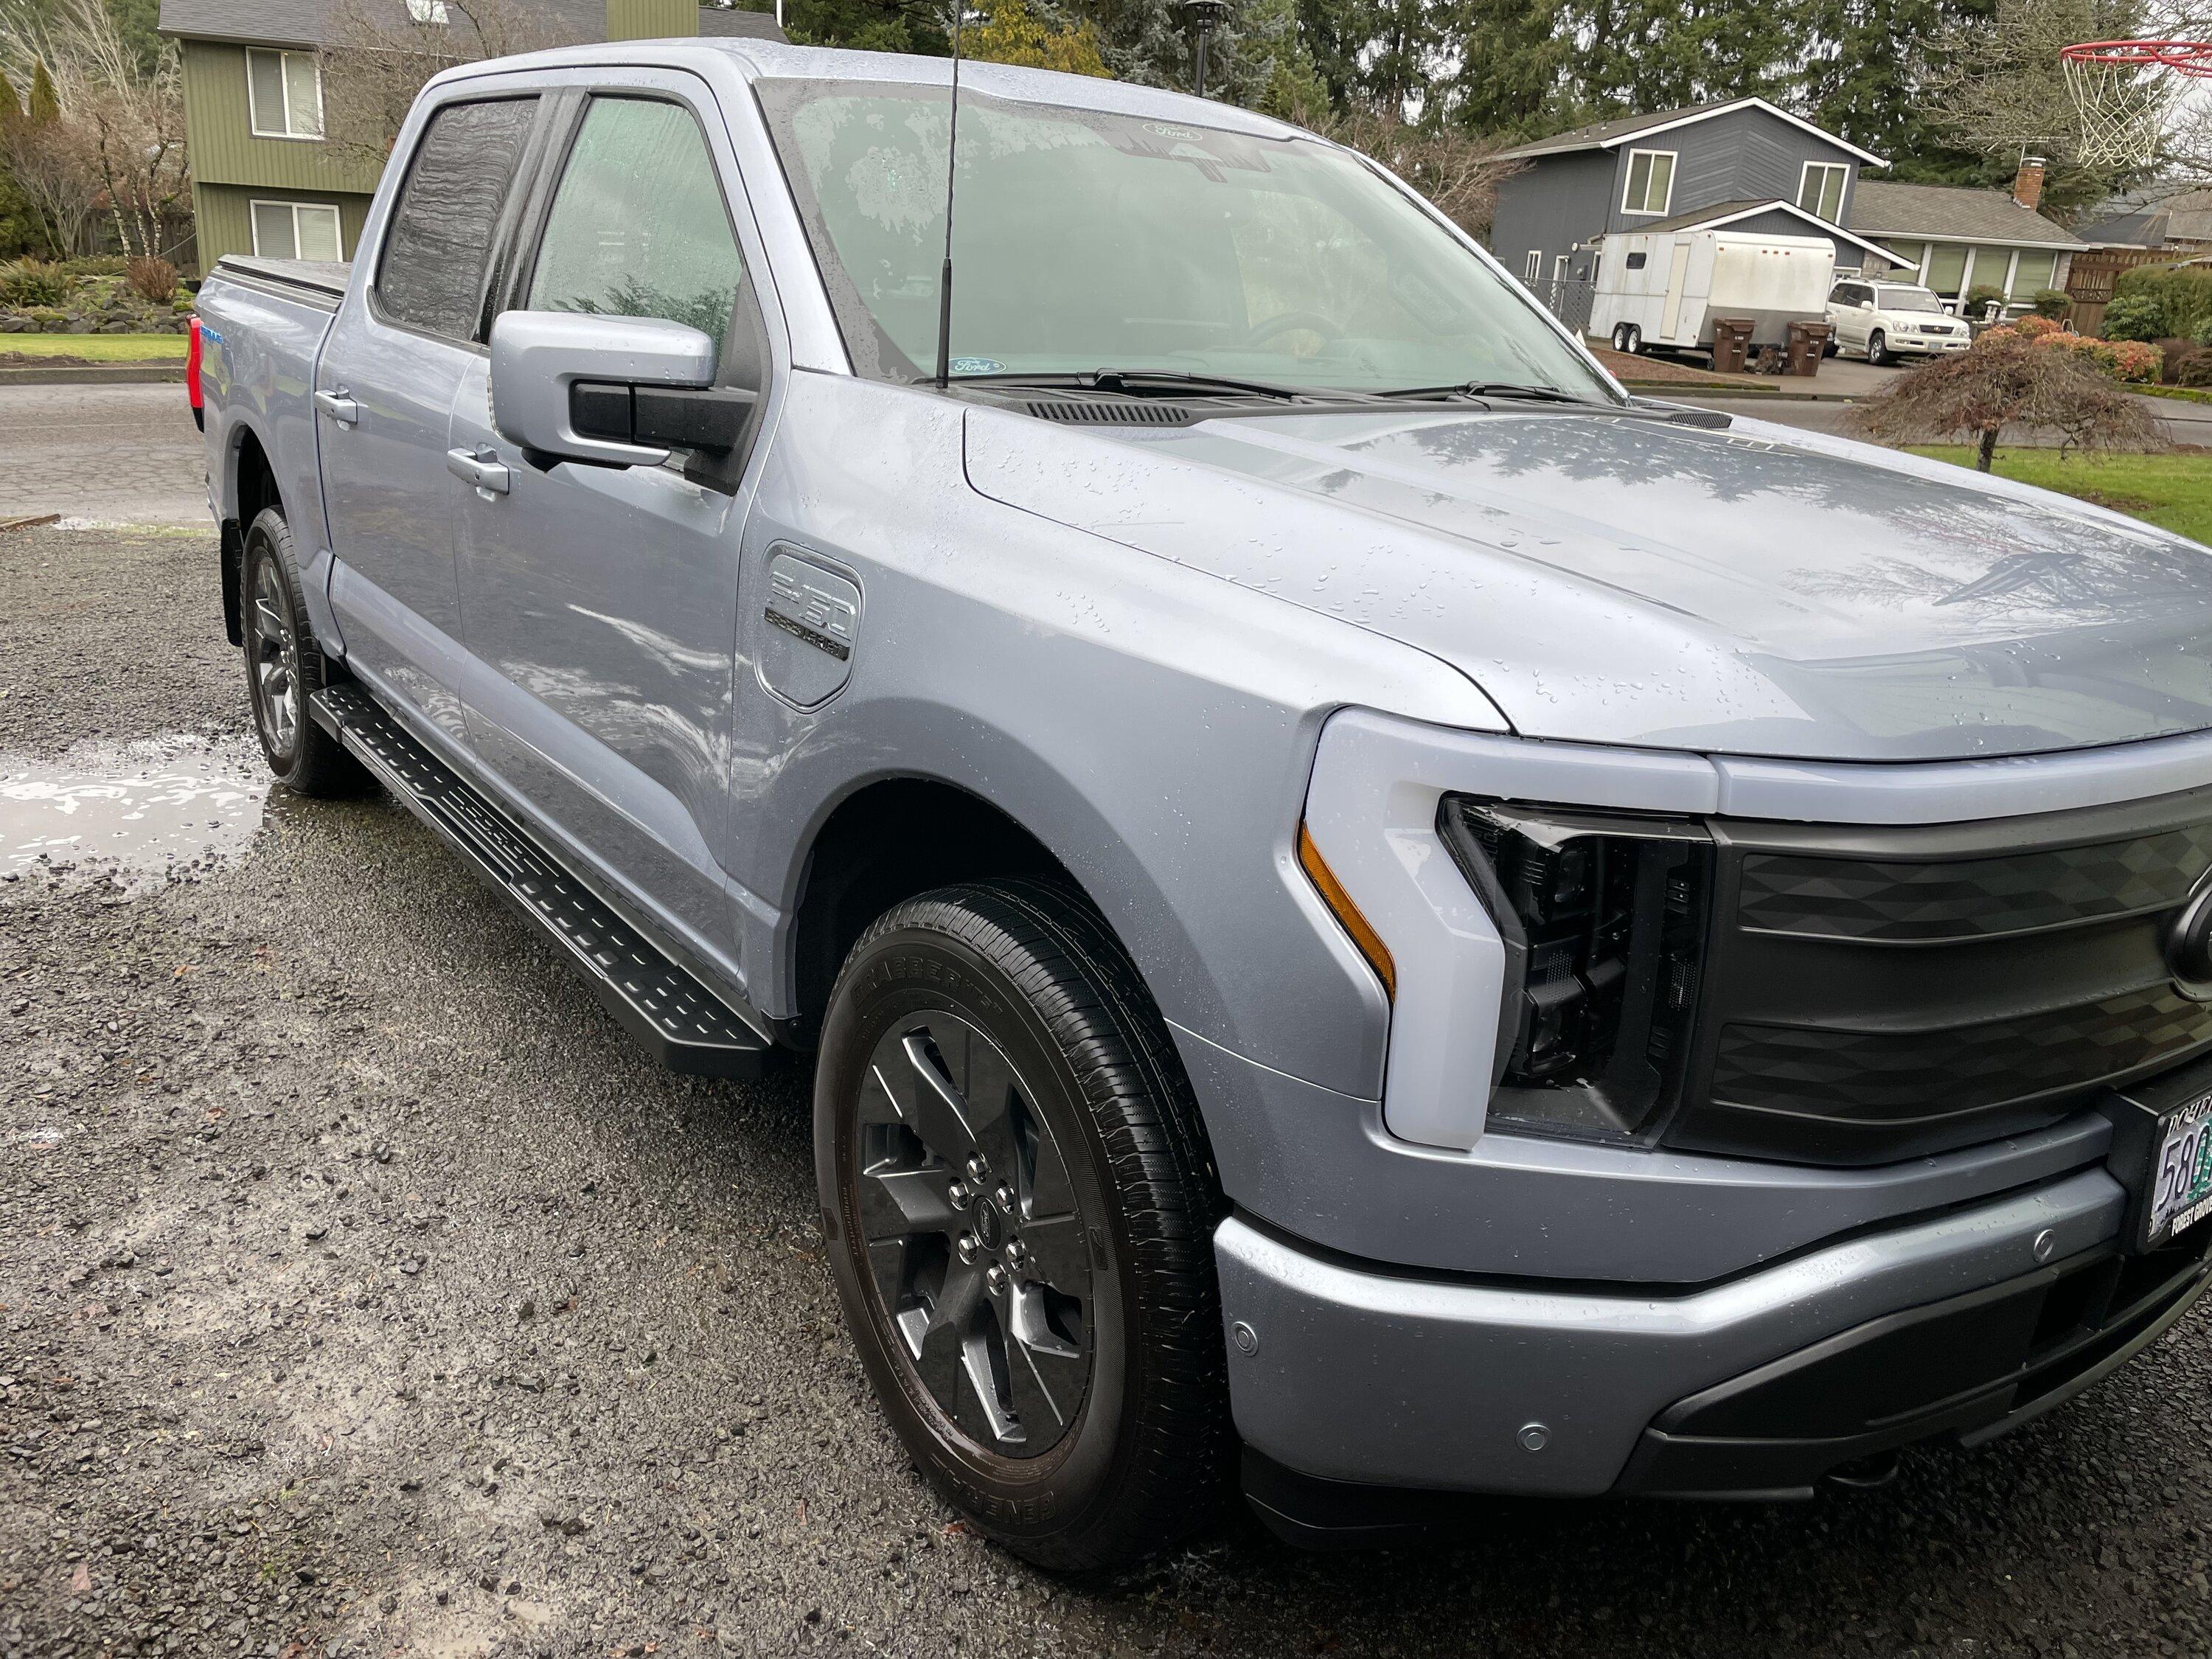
point(2122, 99)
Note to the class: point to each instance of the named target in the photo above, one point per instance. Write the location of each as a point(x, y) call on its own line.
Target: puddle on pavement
point(134, 816)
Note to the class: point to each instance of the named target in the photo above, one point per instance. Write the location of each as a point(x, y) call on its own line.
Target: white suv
point(1889, 320)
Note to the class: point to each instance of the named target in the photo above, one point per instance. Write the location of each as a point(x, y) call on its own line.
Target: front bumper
point(1966, 1322)
point(1934, 345)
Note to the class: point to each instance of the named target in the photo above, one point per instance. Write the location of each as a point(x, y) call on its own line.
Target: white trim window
point(1820, 188)
point(296, 230)
point(426, 11)
point(1534, 271)
point(283, 94)
point(1650, 183)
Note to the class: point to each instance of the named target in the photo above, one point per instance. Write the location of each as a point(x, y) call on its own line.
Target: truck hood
point(1758, 591)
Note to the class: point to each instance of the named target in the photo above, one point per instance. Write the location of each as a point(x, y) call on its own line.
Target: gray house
point(1744, 163)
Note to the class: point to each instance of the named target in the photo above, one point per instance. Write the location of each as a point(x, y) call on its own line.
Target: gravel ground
point(362, 1290)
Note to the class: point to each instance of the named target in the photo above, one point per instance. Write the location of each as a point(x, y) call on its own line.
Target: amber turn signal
point(1341, 906)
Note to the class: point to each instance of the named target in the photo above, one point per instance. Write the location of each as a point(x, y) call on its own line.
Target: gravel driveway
point(363, 1290)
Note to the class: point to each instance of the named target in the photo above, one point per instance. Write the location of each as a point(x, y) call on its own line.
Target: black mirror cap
point(705, 419)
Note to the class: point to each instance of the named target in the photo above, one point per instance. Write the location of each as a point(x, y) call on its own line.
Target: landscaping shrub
point(2195, 371)
point(2203, 332)
point(153, 279)
point(2138, 362)
point(2135, 317)
point(1977, 298)
point(2037, 326)
point(25, 282)
point(2184, 294)
point(2004, 380)
point(2053, 303)
point(97, 264)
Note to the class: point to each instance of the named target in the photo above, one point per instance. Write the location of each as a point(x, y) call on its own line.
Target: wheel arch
point(249, 485)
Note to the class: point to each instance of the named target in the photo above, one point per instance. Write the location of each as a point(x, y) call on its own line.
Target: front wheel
point(1020, 1211)
point(1878, 349)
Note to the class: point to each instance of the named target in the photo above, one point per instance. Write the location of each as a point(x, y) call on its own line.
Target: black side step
point(683, 1024)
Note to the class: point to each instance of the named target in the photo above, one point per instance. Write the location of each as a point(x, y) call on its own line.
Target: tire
point(1635, 337)
point(1878, 351)
point(1003, 1022)
point(283, 666)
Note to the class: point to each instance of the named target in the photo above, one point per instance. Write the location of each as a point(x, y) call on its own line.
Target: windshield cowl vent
point(1133, 412)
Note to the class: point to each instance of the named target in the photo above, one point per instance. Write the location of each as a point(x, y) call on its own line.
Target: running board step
point(679, 1021)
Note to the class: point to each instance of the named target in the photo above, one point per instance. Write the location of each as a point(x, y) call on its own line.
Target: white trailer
point(1663, 289)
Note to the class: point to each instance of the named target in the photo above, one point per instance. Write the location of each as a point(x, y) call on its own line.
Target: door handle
point(478, 467)
point(338, 406)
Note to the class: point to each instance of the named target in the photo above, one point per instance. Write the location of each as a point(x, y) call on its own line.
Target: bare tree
point(1458, 171)
point(2006, 380)
point(380, 52)
point(114, 141)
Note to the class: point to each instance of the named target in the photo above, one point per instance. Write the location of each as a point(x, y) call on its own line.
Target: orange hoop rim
point(2183, 57)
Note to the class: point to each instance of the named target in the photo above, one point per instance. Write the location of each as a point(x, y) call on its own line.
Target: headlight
point(1603, 917)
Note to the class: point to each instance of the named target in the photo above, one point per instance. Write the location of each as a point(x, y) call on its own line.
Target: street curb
point(1769, 397)
point(93, 373)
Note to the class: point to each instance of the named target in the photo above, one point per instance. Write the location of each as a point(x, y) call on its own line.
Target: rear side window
point(639, 227)
point(434, 255)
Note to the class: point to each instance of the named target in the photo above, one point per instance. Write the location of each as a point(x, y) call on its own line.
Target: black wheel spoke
point(896, 1203)
point(973, 1233)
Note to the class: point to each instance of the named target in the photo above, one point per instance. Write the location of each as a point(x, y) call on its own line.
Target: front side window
point(296, 230)
point(1650, 181)
point(438, 250)
point(1821, 192)
point(284, 94)
point(639, 227)
point(1085, 240)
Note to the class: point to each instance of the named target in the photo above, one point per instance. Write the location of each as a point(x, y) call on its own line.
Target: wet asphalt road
point(362, 1290)
point(123, 454)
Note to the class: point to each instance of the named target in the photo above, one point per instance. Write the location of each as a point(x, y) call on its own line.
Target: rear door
point(601, 604)
point(384, 392)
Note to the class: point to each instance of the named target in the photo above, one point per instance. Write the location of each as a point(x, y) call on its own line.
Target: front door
point(601, 604)
point(384, 397)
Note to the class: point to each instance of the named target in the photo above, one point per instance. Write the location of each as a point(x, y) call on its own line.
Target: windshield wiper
point(1135, 381)
point(1544, 394)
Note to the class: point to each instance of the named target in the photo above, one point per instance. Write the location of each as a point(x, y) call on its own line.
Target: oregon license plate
point(2180, 1192)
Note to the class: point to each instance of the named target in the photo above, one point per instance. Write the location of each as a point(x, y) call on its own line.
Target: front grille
point(1873, 994)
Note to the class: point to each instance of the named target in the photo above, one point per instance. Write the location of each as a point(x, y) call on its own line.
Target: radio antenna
point(952, 167)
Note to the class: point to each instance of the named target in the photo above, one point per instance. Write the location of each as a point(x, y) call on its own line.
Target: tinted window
point(638, 227)
point(1635, 261)
point(432, 275)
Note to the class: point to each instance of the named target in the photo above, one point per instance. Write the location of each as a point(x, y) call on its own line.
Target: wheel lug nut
point(967, 1247)
point(994, 1277)
point(959, 1195)
point(1005, 1197)
point(976, 1168)
point(1015, 1255)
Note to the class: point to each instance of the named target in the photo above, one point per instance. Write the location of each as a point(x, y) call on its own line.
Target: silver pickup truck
point(1372, 915)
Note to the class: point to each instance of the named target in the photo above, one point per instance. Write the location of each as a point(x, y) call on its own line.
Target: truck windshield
point(1908, 299)
point(1087, 240)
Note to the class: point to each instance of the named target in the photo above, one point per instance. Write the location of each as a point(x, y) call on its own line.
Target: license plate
point(2181, 1172)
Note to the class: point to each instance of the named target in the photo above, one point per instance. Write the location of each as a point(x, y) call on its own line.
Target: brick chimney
point(2027, 183)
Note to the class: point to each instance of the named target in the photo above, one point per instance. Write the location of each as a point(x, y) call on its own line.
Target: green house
point(264, 180)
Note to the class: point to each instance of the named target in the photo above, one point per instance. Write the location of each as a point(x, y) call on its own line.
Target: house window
point(1820, 190)
point(426, 11)
point(1534, 269)
point(296, 230)
point(284, 94)
point(1559, 268)
point(1946, 270)
point(1650, 181)
point(2033, 273)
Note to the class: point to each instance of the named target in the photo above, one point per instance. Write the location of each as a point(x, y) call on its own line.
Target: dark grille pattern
point(1873, 1076)
point(1976, 898)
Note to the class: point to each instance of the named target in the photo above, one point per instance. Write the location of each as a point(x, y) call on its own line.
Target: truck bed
point(320, 283)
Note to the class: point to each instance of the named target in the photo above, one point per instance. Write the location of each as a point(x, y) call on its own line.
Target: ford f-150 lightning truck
point(1372, 915)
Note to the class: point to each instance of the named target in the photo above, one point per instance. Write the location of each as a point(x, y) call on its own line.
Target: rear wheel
point(1021, 1211)
point(1629, 338)
point(283, 666)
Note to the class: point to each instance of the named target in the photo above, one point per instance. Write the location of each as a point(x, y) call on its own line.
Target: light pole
point(1204, 16)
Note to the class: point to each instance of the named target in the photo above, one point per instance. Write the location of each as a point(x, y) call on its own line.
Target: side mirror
point(1866, 305)
point(609, 391)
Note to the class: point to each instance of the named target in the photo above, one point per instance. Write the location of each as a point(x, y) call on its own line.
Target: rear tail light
point(1604, 919)
point(192, 378)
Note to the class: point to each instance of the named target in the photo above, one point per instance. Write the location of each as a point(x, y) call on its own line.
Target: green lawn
point(96, 347)
point(2174, 492)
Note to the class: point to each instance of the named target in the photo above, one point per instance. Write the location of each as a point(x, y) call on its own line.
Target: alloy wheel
point(975, 1236)
point(275, 648)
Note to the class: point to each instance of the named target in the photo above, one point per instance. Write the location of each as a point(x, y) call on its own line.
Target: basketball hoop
point(2122, 90)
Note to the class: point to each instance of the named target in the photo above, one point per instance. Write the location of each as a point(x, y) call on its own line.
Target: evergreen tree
point(46, 104)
